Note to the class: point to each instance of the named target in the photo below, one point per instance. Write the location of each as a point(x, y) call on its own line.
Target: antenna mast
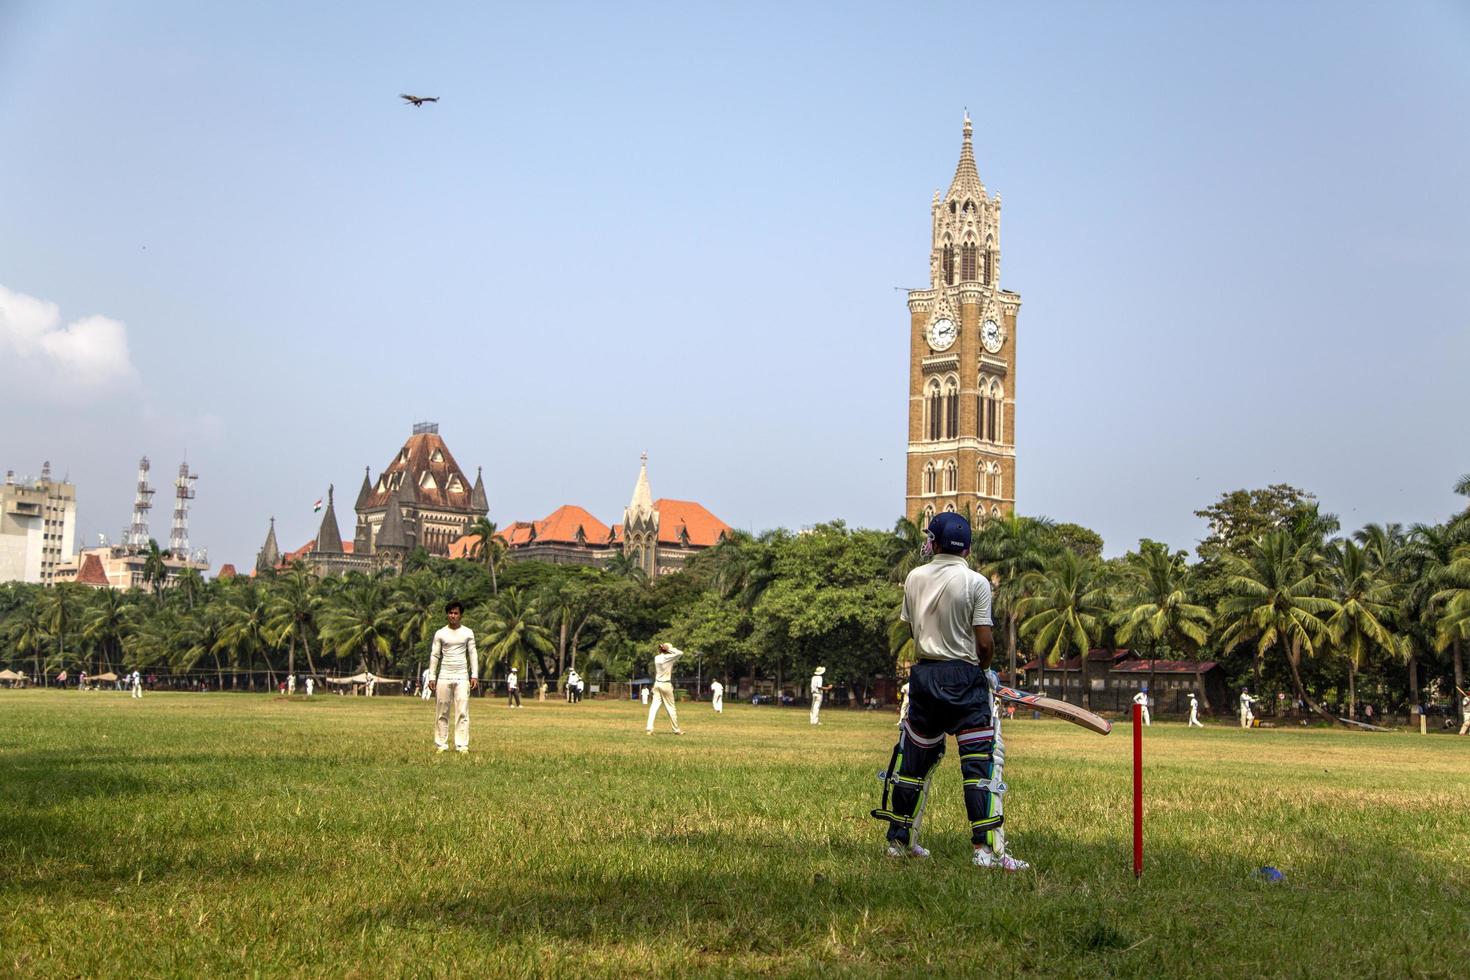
point(178, 541)
point(137, 536)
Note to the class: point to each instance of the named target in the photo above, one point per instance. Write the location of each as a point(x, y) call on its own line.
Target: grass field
point(186, 834)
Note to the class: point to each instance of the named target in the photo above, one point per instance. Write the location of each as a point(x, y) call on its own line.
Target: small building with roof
point(1114, 676)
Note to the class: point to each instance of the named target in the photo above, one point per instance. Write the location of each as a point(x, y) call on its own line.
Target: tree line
point(1275, 593)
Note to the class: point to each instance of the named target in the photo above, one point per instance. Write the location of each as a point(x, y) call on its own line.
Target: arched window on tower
point(997, 412)
point(950, 473)
point(948, 260)
point(997, 484)
point(967, 262)
point(989, 251)
point(928, 478)
point(928, 515)
point(934, 407)
point(952, 409)
point(949, 507)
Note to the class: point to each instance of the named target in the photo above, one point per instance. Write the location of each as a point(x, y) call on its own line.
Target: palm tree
point(1364, 601)
point(511, 629)
point(292, 607)
point(1389, 550)
point(1449, 607)
point(905, 546)
point(359, 619)
point(1274, 598)
point(57, 608)
point(1064, 611)
point(622, 565)
point(188, 586)
point(487, 548)
point(29, 636)
point(1157, 609)
point(105, 622)
point(245, 631)
point(155, 572)
point(1462, 485)
point(1007, 550)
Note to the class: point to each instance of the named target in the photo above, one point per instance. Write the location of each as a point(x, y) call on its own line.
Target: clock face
point(942, 333)
point(991, 336)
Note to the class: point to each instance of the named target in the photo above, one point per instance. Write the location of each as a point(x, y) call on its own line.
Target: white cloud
point(89, 353)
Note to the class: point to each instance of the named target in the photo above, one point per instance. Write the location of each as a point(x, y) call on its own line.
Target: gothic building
point(962, 360)
point(421, 499)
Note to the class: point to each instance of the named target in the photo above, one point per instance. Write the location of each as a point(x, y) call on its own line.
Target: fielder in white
point(291, 684)
point(1246, 714)
point(1194, 721)
point(1141, 699)
point(310, 686)
point(903, 706)
point(663, 686)
point(1464, 713)
point(136, 683)
point(425, 685)
point(643, 694)
point(512, 689)
point(717, 697)
point(454, 671)
point(817, 689)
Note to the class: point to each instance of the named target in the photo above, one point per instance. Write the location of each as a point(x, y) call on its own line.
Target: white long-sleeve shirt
point(663, 665)
point(457, 650)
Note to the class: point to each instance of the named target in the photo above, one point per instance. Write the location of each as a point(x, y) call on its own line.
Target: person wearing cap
point(512, 689)
point(1194, 721)
point(310, 685)
point(1246, 714)
point(454, 671)
point(947, 606)
point(1141, 699)
point(663, 686)
point(717, 697)
point(817, 688)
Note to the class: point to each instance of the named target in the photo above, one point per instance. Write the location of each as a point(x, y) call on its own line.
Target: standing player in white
point(310, 685)
point(1194, 721)
point(947, 606)
point(1464, 713)
point(663, 686)
point(137, 684)
point(512, 689)
point(1141, 699)
point(426, 685)
point(817, 689)
point(717, 697)
point(1246, 714)
point(454, 671)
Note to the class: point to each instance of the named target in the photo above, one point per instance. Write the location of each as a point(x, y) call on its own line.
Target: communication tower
point(137, 535)
point(178, 540)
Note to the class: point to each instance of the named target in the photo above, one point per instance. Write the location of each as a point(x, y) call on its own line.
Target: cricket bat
point(1059, 709)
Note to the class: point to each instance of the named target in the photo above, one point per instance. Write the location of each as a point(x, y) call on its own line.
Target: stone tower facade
point(962, 360)
point(640, 525)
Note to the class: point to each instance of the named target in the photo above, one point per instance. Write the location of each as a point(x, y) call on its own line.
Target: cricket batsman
point(947, 606)
point(1246, 714)
point(1464, 712)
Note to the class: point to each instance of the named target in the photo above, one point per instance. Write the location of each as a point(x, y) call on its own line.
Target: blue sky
point(1238, 230)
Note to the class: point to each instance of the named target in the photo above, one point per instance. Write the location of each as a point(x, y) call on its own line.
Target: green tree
point(358, 620)
point(511, 630)
point(292, 607)
point(105, 622)
point(1274, 598)
point(1158, 609)
point(1008, 550)
point(1240, 516)
point(1363, 600)
point(155, 571)
point(1065, 611)
point(57, 606)
point(488, 548)
point(245, 631)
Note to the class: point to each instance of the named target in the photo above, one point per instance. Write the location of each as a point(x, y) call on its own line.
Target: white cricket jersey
point(663, 666)
point(460, 660)
point(816, 683)
point(511, 683)
point(943, 602)
point(716, 688)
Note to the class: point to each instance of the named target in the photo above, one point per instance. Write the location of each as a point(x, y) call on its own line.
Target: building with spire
point(657, 536)
point(962, 359)
point(421, 499)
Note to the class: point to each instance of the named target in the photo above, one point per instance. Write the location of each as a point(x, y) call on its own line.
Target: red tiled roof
point(565, 523)
point(703, 529)
point(410, 463)
point(91, 573)
point(226, 571)
point(1167, 666)
point(1098, 656)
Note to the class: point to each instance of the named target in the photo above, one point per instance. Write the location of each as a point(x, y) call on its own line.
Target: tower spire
point(966, 176)
point(642, 502)
point(329, 536)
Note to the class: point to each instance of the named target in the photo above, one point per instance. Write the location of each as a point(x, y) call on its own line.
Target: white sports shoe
point(986, 858)
point(897, 850)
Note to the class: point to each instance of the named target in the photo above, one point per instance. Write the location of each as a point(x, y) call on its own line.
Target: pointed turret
point(642, 502)
point(270, 555)
point(478, 500)
point(640, 525)
point(366, 491)
point(966, 177)
point(391, 536)
point(329, 538)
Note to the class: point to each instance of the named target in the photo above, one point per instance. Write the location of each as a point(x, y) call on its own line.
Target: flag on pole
point(316, 506)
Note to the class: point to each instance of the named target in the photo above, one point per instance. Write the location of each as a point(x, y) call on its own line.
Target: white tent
point(362, 679)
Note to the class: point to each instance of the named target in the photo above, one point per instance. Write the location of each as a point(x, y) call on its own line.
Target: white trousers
point(452, 696)
point(718, 703)
point(663, 694)
point(1465, 725)
point(309, 685)
point(137, 690)
point(1144, 712)
point(643, 694)
point(816, 709)
point(1194, 721)
point(1245, 718)
point(290, 685)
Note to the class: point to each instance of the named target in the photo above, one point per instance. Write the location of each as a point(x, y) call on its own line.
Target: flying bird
point(418, 100)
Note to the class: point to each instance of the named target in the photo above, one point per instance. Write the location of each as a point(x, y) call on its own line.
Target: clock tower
point(962, 360)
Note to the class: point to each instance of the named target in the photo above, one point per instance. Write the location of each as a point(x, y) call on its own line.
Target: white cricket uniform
point(663, 687)
point(310, 686)
point(137, 684)
point(903, 706)
point(816, 716)
point(454, 661)
point(717, 696)
point(1141, 700)
point(291, 684)
point(643, 694)
point(1194, 721)
point(1464, 715)
point(512, 690)
point(424, 691)
point(1246, 715)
